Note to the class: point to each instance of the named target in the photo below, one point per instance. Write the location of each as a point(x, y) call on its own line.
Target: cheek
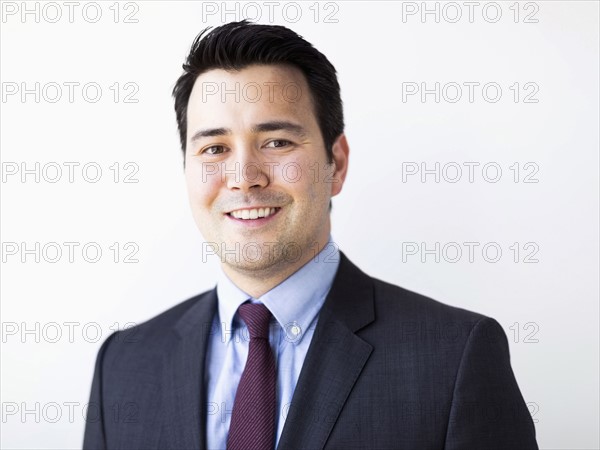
point(310, 187)
point(298, 171)
point(202, 188)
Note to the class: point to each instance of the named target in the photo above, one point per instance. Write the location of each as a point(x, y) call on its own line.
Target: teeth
point(255, 213)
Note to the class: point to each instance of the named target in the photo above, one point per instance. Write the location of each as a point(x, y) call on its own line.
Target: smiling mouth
point(253, 213)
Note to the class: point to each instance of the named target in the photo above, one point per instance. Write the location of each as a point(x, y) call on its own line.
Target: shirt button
point(293, 331)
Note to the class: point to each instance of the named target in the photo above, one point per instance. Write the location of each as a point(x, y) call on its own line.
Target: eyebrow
point(276, 125)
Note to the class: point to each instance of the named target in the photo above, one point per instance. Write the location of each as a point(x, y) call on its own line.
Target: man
point(295, 347)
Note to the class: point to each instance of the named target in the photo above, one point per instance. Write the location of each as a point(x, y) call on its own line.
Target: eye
point(278, 143)
point(213, 150)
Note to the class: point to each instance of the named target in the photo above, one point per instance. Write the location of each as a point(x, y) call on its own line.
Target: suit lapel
point(185, 396)
point(334, 361)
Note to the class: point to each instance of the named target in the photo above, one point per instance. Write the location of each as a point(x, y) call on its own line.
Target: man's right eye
point(213, 150)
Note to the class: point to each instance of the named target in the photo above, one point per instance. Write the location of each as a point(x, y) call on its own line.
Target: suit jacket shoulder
point(417, 373)
point(147, 387)
point(142, 343)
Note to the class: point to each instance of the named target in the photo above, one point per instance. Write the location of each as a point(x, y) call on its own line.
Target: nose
point(246, 170)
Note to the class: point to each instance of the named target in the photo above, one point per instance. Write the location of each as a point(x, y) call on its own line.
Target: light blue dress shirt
point(295, 304)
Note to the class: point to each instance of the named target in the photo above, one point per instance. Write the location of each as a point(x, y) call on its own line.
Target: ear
point(341, 153)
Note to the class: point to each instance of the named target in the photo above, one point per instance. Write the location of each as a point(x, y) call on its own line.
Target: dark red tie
point(253, 419)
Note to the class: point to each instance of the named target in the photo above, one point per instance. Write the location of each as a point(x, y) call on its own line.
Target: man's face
point(256, 168)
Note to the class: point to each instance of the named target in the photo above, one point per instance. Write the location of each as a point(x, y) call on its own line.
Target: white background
point(548, 309)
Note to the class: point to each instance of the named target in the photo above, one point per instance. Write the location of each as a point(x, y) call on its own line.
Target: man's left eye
point(278, 143)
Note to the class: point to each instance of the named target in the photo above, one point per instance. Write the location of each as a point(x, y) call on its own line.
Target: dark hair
point(236, 45)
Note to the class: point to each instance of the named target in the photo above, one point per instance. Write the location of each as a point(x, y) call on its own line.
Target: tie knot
point(256, 316)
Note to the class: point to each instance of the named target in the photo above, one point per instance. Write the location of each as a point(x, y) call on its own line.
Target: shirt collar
point(294, 302)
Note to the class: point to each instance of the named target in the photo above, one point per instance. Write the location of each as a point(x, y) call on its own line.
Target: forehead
point(255, 90)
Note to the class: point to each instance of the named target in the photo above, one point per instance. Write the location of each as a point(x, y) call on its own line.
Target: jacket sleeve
point(94, 436)
point(488, 410)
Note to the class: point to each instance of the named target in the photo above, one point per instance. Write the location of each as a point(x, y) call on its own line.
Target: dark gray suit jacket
point(387, 369)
